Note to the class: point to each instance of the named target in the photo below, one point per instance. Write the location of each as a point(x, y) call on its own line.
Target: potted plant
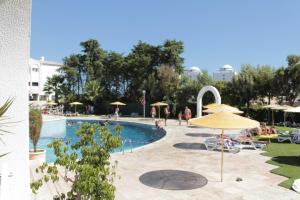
point(35, 126)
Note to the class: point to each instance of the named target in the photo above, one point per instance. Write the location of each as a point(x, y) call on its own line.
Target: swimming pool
point(133, 135)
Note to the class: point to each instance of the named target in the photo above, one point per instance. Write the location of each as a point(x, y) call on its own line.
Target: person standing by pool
point(117, 113)
point(180, 117)
point(188, 114)
point(167, 113)
point(153, 113)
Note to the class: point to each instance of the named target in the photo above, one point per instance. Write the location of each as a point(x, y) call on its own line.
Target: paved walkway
point(177, 167)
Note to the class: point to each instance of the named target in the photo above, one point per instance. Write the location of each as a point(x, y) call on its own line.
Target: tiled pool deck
point(258, 182)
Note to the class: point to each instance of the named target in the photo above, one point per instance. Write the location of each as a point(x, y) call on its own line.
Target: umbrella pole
point(75, 109)
point(159, 112)
point(222, 154)
point(272, 117)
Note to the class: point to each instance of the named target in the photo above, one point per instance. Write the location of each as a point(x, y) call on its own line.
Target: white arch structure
point(200, 95)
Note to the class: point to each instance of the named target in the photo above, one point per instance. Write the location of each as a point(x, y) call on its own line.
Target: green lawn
point(283, 129)
point(287, 157)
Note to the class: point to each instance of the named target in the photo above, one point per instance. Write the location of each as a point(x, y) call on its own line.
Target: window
point(33, 97)
point(35, 69)
point(43, 97)
point(35, 83)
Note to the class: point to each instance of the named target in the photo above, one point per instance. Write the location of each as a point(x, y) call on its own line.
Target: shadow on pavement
point(200, 134)
point(192, 146)
point(173, 180)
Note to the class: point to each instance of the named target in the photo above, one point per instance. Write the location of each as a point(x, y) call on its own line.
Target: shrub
point(35, 126)
point(91, 173)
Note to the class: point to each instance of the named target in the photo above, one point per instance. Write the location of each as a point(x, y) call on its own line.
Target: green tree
point(53, 85)
point(114, 80)
point(171, 55)
point(242, 86)
point(92, 91)
point(92, 59)
point(93, 174)
point(264, 82)
point(74, 74)
point(189, 89)
point(287, 80)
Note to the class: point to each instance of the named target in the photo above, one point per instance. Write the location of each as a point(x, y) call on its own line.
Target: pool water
point(133, 135)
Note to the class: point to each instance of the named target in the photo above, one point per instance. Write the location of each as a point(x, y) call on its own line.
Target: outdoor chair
point(211, 143)
point(214, 144)
point(293, 137)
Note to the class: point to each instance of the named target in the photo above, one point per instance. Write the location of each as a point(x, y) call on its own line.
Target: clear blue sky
point(214, 32)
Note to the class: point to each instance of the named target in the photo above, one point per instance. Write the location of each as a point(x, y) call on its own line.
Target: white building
point(192, 72)
point(225, 73)
point(39, 71)
point(15, 26)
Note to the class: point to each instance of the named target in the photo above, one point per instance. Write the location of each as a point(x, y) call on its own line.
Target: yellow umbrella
point(223, 108)
point(158, 104)
point(211, 105)
point(75, 103)
point(277, 107)
point(117, 103)
point(224, 121)
point(293, 110)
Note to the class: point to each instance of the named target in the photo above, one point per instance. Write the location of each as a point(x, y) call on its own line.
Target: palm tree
point(92, 91)
point(53, 85)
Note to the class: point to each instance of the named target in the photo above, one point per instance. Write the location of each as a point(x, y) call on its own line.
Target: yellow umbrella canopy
point(158, 104)
point(51, 103)
point(281, 107)
point(75, 103)
point(293, 110)
point(224, 120)
point(211, 105)
point(117, 103)
point(277, 107)
point(223, 108)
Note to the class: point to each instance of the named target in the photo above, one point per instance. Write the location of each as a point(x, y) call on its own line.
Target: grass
point(283, 128)
point(287, 157)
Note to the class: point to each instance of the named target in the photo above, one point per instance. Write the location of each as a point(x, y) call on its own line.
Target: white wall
point(223, 75)
point(45, 72)
point(15, 25)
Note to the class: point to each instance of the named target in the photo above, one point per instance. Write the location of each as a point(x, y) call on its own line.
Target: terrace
point(177, 167)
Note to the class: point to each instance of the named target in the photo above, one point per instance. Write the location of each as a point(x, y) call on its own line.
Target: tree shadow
point(173, 180)
point(200, 134)
point(287, 160)
point(192, 146)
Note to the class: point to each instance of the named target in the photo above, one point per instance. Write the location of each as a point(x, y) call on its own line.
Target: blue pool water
point(133, 135)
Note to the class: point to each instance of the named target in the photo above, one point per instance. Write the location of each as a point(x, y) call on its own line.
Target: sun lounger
point(211, 143)
point(296, 185)
point(293, 137)
point(214, 144)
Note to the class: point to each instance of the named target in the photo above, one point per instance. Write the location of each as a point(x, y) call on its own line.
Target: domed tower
point(225, 73)
point(192, 72)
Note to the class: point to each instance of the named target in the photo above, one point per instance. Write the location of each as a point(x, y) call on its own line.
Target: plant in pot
point(35, 126)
